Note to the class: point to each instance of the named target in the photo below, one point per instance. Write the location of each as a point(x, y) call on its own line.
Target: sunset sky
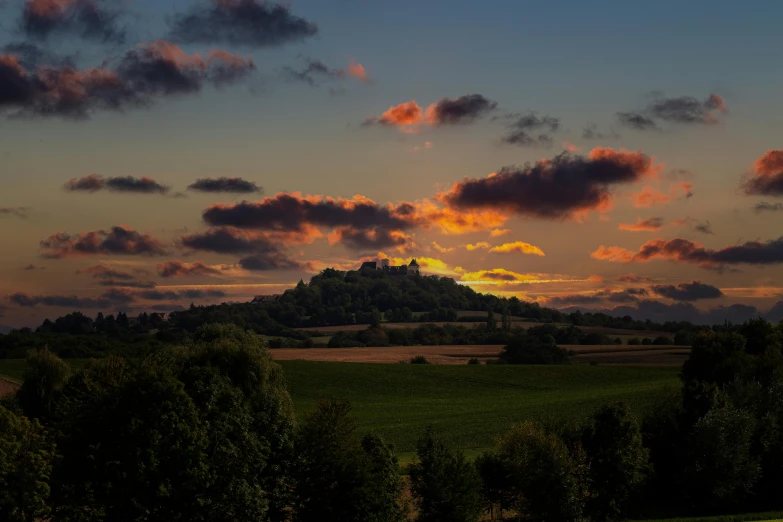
point(616, 156)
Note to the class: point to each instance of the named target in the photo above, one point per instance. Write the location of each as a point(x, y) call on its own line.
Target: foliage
point(548, 481)
point(25, 465)
point(527, 349)
point(445, 486)
point(619, 462)
point(44, 379)
point(340, 478)
point(419, 359)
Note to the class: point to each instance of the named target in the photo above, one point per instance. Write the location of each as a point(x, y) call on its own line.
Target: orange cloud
point(357, 70)
point(767, 177)
point(519, 247)
point(613, 254)
point(452, 221)
point(499, 232)
point(442, 250)
point(406, 116)
point(649, 197)
point(643, 225)
point(496, 275)
point(477, 246)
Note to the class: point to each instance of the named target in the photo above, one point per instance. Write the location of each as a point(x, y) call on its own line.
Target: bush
point(445, 486)
point(419, 359)
point(473, 361)
point(634, 341)
point(44, 378)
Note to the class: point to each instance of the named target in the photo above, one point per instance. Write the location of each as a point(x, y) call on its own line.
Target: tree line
point(206, 431)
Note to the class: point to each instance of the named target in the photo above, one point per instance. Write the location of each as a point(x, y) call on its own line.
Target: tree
point(342, 479)
point(721, 471)
point(44, 378)
point(492, 323)
point(25, 465)
point(445, 486)
point(549, 482)
point(495, 482)
point(619, 463)
point(527, 349)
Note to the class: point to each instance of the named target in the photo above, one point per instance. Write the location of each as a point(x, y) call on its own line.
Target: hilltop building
point(412, 269)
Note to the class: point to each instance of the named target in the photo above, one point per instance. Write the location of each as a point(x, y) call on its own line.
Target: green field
point(469, 404)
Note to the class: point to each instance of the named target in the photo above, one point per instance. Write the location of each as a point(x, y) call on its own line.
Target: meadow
point(470, 405)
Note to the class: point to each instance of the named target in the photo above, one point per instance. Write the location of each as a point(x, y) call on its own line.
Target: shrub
point(525, 349)
point(473, 361)
point(419, 359)
point(634, 341)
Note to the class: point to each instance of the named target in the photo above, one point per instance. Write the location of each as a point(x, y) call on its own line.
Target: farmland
point(469, 404)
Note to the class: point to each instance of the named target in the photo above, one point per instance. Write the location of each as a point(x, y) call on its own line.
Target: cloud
point(684, 110)
point(86, 18)
point(262, 252)
point(762, 207)
point(767, 176)
point(118, 240)
point(143, 76)
point(478, 246)
point(648, 309)
point(499, 232)
point(564, 187)
point(20, 212)
point(685, 251)
point(442, 250)
point(643, 225)
point(315, 70)
point(409, 116)
point(633, 278)
point(521, 128)
point(704, 228)
point(648, 197)
point(591, 132)
point(688, 291)
point(105, 272)
point(223, 184)
point(31, 267)
point(517, 247)
point(636, 121)
point(178, 268)
point(106, 300)
point(496, 275)
point(171, 295)
point(128, 184)
point(456, 111)
point(363, 239)
point(251, 23)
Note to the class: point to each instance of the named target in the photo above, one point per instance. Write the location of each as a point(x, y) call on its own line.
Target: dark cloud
point(128, 184)
point(633, 278)
point(171, 295)
point(312, 72)
point(127, 284)
point(704, 228)
point(591, 132)
point(530, 130)
point(178, 268)
point(682, 110)
point(636, 121)
point(648, 309)
point(32, 267)
point(31, 56)
point(553, 189)
point(688, 291)
point(20, 212)
point(768, 207)
point(106, 300)
point(85, 18)
point(628, 295)
point(290, 212)
point(230, 185)
point(767, 176)
point(685, 251)
point(118, 240)
point(644, 225)
point(143, 76)
point(104, 272)
point(263, 252)
point(240, 22)
point(362, 239)
point(465, 109)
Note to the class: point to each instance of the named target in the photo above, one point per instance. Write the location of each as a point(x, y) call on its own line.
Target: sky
point(621, 157)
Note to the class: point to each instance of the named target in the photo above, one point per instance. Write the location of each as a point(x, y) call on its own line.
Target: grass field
point(470, 405)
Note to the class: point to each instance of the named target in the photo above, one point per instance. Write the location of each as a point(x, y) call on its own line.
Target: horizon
point(148, 164)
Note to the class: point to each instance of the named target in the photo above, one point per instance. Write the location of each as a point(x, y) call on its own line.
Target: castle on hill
point(412, 269)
